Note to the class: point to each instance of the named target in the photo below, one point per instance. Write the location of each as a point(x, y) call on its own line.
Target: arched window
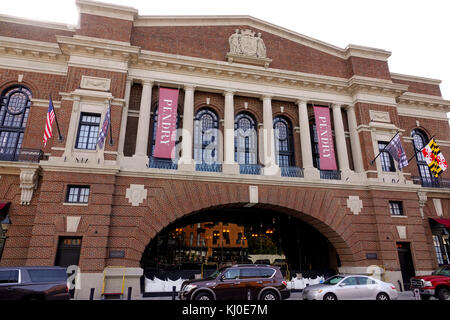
point(245, 139)
point(15, 104)
point(419, 141)
point(284, 147)
point(158, 162)
point(206, 127)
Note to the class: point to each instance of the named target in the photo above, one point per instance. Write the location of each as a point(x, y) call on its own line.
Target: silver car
point(351, 287)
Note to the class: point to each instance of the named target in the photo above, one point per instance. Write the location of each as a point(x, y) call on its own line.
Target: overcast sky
point(416, 32)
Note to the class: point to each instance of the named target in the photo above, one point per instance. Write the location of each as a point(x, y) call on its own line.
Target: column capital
point(336, 106)
point(146, 82)
point(266, 97)
point(228, 92)
point(189, 87)
point(301, 101)
point(349, 107)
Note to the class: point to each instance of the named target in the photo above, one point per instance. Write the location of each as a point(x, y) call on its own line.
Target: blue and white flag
point(104, 129)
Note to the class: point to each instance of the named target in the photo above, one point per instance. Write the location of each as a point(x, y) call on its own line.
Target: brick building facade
point(116, 56)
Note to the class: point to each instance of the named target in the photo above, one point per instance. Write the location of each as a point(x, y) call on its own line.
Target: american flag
point(48, 133)
point(397, 152)
point(104, 129)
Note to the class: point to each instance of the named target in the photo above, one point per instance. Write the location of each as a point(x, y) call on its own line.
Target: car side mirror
point(342, 285)
point(433, 273)
point(222, 278)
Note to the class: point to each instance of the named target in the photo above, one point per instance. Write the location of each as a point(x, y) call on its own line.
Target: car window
point(333, 280)
point(351, 281)
point(248, 273)
point(9, 276)
point(266, 272)
point(231, 274)
point(48, 275)
point(445, 271)
point(365, 281)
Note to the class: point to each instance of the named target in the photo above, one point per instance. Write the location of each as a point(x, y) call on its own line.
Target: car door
point(9, 281)
point(252, 282)
point(366, 288)
point(228, 286)
point(347, 289)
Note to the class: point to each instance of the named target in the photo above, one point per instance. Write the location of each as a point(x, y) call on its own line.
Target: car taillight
point(284, 282)
point(67, 289)
point(393, 288)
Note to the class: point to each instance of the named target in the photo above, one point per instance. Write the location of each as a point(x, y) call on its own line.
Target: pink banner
point(325, 137)
point(167, 123)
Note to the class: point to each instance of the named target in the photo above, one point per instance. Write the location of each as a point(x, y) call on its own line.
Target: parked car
point(436, 285)
point(351, 287)
point(238, 282)
point(33, 283)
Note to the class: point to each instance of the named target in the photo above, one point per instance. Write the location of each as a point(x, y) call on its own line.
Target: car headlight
point(427, 284)
point(189, 287)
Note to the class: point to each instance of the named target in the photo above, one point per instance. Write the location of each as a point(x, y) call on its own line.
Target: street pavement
point(406, 295)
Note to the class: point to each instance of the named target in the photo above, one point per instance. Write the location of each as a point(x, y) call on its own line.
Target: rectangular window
point(88, 131)
point(437, 249)
point(77, 194)
point(9, 276)
point(395, 208)
point(387, 163)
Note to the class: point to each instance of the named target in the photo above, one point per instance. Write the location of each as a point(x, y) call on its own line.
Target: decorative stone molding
point(354, 204)
point(438, 206)
point(28, 183)
point(422, 195)
point(253, 196)
point(72, 224)
point(401, 232)
point(94, 83)
point(136, 194)
point(379, 116)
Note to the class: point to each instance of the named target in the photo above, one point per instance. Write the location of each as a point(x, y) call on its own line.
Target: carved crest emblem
point(247, 43)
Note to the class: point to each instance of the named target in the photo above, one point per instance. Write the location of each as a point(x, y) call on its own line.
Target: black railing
point(292, 172)
point(432, 182)
point(22, 155)
point(213, 167)
point(249, 169)
point(163, 164)
point(330, 174)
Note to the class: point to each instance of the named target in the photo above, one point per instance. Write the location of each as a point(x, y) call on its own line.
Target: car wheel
point(330, 297)
point(205, 296)
point(444, 294)
point(269, 295)
point(382, 296)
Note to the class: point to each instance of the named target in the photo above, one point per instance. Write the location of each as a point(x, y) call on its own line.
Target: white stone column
point(123, 123)
point(354, 139)
point(268, 152)
point(140, 155)
point(309, 171)
point(341, 146)
point(229, 165)
point(186, 162)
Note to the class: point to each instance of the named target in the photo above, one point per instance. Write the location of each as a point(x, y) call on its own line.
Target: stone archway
point(174, 199)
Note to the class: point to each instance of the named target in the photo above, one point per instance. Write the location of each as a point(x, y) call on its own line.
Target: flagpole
point(371, 162)
point(420, 149)
point(110, 125)
point(60, 137)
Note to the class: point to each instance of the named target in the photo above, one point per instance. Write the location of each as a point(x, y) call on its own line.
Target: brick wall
point(105, 27)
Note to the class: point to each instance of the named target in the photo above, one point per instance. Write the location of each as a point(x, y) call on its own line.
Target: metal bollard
point(129, 293)
point(174, 292)
point(91, 295)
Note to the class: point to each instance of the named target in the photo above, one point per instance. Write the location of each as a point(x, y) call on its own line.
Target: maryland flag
point(434, 158)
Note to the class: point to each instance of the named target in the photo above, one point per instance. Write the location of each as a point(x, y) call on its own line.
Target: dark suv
point(238, 282)
point(33, 283)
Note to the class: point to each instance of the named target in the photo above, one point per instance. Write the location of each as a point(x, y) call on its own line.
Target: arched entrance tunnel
point(223, 236)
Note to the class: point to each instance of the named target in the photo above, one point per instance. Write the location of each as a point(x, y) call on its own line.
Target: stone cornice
point(424, 100)
point(407, 77)
point(37, 23)
point(106, 10)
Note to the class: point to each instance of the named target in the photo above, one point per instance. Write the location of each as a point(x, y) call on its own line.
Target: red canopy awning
point(444, 222)
point(3, 206)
